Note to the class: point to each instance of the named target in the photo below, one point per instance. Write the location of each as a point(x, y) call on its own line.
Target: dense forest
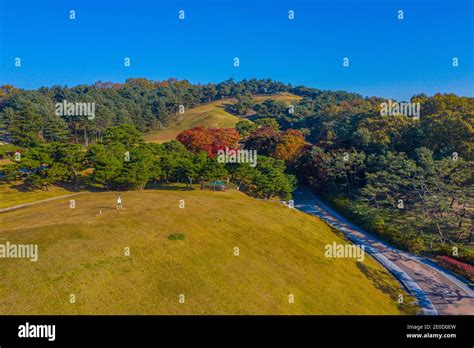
point(30, 118)
point(408, 180)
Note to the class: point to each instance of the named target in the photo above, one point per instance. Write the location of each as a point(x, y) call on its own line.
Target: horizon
point(241, 80)
point(416, 58)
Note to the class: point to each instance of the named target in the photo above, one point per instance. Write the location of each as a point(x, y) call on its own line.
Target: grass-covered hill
point(82, 252)
point(210, 115)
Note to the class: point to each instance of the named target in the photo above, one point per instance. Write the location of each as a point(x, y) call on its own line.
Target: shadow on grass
point(170, 186)
point(228, 107)
point(23, 187)
point(378, 279)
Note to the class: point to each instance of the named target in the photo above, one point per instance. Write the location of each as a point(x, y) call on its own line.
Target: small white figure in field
point(119, 202)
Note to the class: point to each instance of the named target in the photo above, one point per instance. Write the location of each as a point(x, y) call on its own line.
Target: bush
point(457, 266)
point(176, 236)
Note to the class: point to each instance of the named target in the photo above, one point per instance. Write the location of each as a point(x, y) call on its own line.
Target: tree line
point(28, 117)
point(122, 161)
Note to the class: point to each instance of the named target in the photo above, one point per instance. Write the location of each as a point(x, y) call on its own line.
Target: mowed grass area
point(15, 193)
point(211, 115)
point(81, 252)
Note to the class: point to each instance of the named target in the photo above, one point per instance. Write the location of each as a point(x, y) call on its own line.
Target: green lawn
point(81, 252)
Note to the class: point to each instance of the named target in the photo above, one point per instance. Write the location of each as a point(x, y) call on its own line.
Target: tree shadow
point(443, 294)
point(226, 105)
point(169, 187)
point(378, 279)
point(23, 187)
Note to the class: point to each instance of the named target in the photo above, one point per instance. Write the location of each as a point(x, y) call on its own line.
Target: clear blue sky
point(388, 57)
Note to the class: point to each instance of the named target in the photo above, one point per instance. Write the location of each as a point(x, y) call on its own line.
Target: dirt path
point(438, 290)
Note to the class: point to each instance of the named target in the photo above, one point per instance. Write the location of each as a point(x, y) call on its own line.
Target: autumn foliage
point(264, 140)
point(449, 262)
point(290, 145)
point(209, 140)
point(287, 146)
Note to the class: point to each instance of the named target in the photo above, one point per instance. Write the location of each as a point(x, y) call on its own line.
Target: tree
point(212, 170)
point(107, 162)
point(264, 140)
point(196, 139)
point(341, 168)
point(290, 146)
point(267, 179)
point(54, 128)
point(210, 140)
point(267, 122)
point(48, 164)
point(125, 134)
point(71, 159)
point(25, 127)
point(244, 101)
point(245, 127)
point(137, 171)
point(222, 138)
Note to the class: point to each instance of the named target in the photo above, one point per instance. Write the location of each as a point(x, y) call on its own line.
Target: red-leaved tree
point(209, 140)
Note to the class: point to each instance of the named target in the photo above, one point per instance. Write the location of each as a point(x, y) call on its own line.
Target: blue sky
point(388, 57)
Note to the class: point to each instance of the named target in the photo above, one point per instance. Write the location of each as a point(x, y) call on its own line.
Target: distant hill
point(210, 115)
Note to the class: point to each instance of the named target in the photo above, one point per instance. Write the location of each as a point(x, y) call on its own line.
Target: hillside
point(81, 252)
point(210, 115)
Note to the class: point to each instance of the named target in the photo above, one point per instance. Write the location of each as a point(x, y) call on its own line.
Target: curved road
point(438, 291)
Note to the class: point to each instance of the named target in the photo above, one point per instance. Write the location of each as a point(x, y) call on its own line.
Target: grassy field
point(81, 252)
point(14, 193)
point(211, 115)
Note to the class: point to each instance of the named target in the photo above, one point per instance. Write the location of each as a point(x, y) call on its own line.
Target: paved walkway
point(438, 291)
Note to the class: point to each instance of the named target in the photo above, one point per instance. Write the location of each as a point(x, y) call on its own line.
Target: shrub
point(176, 236)
point(457, 266)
